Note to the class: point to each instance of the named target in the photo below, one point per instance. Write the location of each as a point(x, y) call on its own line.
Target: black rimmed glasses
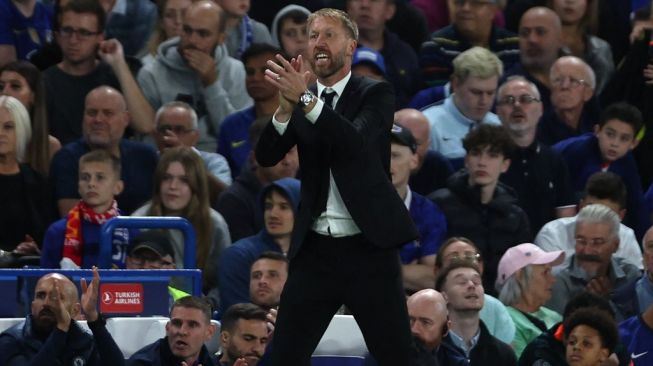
point(68, 32)
point(511, 100)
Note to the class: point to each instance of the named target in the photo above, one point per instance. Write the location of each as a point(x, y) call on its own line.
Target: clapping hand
point(90, 295)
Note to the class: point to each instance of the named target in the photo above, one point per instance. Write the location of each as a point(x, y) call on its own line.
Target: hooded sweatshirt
point(236, 260)
point(275, 23)
point(170, 78)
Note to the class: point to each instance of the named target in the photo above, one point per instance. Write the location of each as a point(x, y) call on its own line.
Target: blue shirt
point(449, 126)
point(25, 34)
point(637, 336)
point(233, 139)
point(432, 227)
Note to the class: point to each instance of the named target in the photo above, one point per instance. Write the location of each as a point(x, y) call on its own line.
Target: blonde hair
point(22, 123)
point(478, 62)
point(349, 25)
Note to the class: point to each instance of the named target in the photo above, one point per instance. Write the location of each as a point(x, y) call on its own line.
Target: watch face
point(306, 98)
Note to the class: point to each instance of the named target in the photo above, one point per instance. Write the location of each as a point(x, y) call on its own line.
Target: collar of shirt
point(459, 342)
point(120, 7)
point(614, 273)
point(338, 87)
point(409, 198)
point(459, 117)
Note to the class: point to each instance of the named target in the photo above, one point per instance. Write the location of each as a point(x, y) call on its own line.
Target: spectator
point(167, 26)
point(105, 120)
point(74, 241)
point(279, 202)
point(579, 23)
point(181, 189)
point(461, 286)
point(524, 283)
point(537, 173)
point(594, 267)
point(401, 66)
point(244, 335)
point(590, 337)
point(418, 256)
point(289, 31)
point(268, 275)
point(233, 142)
point(81, 37)
point(474, 81)
point(478, 206)
point(471, 26)
point(493, 314)
point(636, 334)
point(177, 125)
point(368, 63)
point(50, 335)
point(186, 331)
point(23, 81)
point(639, 292)
point(609, 149)
point(241, 30)
point(607, 189)
point(199, 71)
point(240, 203)
point(572, 84)
point(25, 195)
point(25, 26)
point(432, 169)
point(549, 347)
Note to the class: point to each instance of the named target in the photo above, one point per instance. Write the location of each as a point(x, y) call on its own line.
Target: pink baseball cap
point(521, 256)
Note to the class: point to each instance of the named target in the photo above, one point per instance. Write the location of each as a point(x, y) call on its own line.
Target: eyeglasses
point(68, 32)
point(522, 99)
point(177, 130)
point(472, 3)
point(573, 82)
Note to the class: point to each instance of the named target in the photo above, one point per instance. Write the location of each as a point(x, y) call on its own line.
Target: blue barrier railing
point(130, 222)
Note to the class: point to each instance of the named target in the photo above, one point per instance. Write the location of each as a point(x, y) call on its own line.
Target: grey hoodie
point(280, 14)
point(170, 78)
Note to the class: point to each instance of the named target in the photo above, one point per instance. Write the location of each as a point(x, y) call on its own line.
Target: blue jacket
point(52, 250)
point(432, 227)
point(583, 158)
point(236, 260)
point(20, 346)
point(233, 139)
point(159, 354)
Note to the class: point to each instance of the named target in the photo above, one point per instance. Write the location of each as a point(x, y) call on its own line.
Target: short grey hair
point(514, 288)
point(478, 62)
point(589, 72)
point(22, 122)
point(514, 78)
point(600, 214)
point(178, 104)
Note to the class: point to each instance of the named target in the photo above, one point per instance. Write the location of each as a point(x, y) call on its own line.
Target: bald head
point(427, 311)
point(105, 118)
point(107, 92)
point(418, 125)
point(540, 38)
point(51, 290)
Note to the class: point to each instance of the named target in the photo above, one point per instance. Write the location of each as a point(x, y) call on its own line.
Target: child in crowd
point(241, 30)
point(609, 149)
point(74, 241)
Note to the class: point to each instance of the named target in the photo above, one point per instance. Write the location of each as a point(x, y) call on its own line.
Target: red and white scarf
point(73, 246)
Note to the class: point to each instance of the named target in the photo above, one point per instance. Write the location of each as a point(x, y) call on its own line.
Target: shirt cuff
point(313, 115)
point(279, 126)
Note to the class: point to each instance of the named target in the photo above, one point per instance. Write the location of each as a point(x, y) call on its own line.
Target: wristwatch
point(306, 98)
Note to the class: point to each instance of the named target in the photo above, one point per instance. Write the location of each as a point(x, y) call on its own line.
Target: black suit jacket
point(354, 142)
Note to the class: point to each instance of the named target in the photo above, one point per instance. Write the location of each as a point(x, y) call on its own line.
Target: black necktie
point(327, 97)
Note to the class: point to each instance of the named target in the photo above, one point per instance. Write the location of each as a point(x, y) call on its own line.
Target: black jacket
point(493, 228)
point(159, 354)
point(487, 351)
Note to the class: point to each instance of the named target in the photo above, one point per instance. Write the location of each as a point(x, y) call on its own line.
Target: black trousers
point(328, 272)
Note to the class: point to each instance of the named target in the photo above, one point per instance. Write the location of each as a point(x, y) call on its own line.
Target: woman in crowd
point(590, 336)
point(579, 22)
point(23, 81)
point(181, 189)
point(168, 25)
point(27, 208)
point(524, 282)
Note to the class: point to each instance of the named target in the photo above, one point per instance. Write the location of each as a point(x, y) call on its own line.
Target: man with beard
point(537, 173)
point(462, 287)
point(189, 327)
point(351, 220)
point(244, 335)
point(196, 68)
point(50, 336)
point(594, 267)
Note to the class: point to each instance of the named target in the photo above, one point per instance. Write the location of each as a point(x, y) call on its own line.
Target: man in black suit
point(351, 220)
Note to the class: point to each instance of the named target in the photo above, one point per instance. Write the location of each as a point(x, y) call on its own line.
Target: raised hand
point(59, 307)
point(90, 295)
point(288, 77)
point(203, 64)
point(111, 52)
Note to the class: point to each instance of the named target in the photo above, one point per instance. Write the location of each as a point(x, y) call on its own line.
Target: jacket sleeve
point(233, 276)
point(227, 96)
point(49, 353)
point(52, 249)
point(107, 349)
